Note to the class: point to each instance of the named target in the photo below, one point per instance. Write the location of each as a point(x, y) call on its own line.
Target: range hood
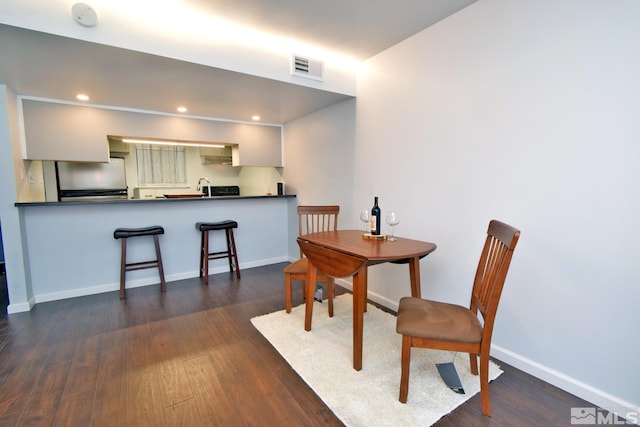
point(216, 155)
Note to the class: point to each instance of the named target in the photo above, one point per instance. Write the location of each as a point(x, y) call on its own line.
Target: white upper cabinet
point(62, 133)
point(258, 146)
point(57, 131)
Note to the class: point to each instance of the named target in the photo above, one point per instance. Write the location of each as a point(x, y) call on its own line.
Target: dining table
point(349, 253)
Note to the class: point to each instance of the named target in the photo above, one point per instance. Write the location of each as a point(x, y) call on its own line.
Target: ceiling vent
point(306, 67)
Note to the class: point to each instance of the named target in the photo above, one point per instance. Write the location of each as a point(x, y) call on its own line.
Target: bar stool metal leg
point(231, 247)
point(123, 265)
point(204, 257)
point(163, 283)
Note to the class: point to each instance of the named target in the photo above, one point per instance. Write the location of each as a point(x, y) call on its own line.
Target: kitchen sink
point(216, 191)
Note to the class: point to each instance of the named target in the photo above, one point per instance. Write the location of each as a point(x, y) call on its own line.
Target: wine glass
point(392, 220)
point(365, 216)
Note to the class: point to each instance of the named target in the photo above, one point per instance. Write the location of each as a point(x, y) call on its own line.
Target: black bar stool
point(230, 253)
point(124, 234)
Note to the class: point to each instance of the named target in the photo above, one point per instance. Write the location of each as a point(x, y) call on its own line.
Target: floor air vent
point(306, 67)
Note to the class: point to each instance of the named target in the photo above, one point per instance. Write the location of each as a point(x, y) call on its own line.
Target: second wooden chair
point(311, 219)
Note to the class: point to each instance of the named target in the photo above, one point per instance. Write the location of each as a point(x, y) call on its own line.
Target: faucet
point(198, 187)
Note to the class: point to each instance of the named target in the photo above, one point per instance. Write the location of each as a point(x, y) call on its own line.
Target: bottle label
point(373, 224)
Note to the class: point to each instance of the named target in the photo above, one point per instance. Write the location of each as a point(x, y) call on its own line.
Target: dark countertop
point(157, 200)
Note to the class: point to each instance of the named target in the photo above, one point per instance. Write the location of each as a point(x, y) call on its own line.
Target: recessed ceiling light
point(82, 97)
point(182, 109)
point(255, 117)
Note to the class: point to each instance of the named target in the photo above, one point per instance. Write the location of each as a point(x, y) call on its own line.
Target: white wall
point(319, 159)
point(13, 178)
point(525, 112)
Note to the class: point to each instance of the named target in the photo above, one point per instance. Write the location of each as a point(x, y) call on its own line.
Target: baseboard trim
point(22, 307)
point(110, 287)
point(571, 385)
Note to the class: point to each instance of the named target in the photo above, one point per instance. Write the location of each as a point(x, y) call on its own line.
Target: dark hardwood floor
point(191, 357)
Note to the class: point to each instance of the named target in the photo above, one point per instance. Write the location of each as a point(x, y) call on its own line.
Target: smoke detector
point(84, 14)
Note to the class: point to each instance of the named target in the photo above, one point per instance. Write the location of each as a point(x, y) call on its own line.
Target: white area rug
point(323, 358)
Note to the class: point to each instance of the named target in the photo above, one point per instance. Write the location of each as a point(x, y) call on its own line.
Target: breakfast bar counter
point(169, 199)
point(71, 251)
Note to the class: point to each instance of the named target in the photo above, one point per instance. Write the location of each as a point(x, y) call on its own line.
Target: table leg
point(414, 276)
point(358, 318)
point(364, 279)
point(312, 274)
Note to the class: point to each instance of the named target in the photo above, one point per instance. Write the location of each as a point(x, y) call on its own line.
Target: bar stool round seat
point(206, 255)
point(123, 233)
point(126, 233)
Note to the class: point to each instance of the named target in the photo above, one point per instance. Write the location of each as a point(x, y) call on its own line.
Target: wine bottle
point(375, 218)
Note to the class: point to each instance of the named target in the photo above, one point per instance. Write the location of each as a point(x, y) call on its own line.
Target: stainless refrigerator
point(83, 181)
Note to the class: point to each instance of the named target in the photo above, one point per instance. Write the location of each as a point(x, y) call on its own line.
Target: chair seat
point(123, 233)
point(437, 320)
point(297, 267)
point(220, 225)
point(300, 267)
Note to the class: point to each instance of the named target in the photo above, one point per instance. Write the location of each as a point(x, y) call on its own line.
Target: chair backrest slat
point(492, 269)
point(315, 219)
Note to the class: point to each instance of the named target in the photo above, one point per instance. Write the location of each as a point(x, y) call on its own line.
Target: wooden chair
point(311, 219)
point(442, 326)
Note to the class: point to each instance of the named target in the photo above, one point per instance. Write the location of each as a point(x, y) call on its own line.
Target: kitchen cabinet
point(56, 131)
point(51, 135)
point(260, 146)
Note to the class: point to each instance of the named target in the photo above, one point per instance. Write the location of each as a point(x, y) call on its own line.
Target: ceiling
point(361, 28)
point(38, 64)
